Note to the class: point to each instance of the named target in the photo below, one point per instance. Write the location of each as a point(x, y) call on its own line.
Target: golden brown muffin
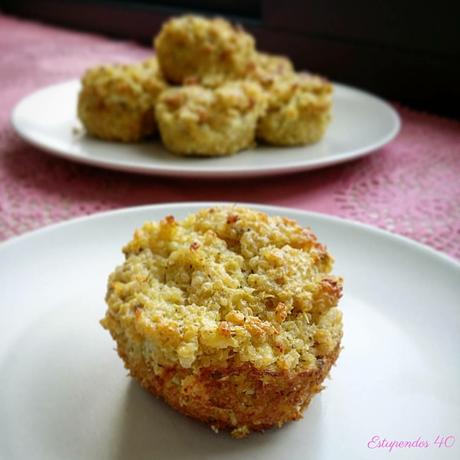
point(195, 50)
point(229, 315)
point(194, 120)
point(299, 110)
point(116, 102)
point(266, 68)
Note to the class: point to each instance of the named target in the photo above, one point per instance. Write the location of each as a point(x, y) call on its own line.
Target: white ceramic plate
point(361, 124)
point(64, 393)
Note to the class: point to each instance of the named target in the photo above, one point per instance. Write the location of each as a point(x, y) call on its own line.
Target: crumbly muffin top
point(132, 86)
point(194, 49)
point(226, 284)
point(300, 91)
point(197, 104)
point(265, 68)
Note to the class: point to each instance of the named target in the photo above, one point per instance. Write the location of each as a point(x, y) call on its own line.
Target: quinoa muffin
point(266, 68)
point(299, 110)
point(192, 49)
point(116, 102)
point(229, 315)
point(194, 120)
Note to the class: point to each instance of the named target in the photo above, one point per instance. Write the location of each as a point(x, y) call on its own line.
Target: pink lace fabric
point(411, 187)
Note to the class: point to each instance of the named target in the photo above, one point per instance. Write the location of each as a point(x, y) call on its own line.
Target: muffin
point(299, 110)
point(229, 315)
point(116, 102)
point(194, 120)
point(265, 68)
point(192, 49)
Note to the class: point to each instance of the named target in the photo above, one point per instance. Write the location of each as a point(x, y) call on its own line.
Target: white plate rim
point(428, 250)
point(211, 171)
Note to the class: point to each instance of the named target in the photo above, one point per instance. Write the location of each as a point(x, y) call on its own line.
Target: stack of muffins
point(208, 91)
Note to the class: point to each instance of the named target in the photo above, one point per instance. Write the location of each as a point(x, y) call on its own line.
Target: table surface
point(410, 187)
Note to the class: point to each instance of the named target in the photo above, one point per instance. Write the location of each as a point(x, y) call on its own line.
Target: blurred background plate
point(361, 124)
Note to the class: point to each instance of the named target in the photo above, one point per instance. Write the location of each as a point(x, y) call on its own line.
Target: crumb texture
point(192, 49)
point(117, 102)
point(228, 305)
point(299, 110)
point(199, 121)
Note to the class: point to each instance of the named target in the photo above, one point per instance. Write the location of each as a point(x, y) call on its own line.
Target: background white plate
point(361, 124)
point(64, 393)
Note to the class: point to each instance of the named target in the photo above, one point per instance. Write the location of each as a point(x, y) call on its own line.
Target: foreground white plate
point(65, 395)
point(361, 124)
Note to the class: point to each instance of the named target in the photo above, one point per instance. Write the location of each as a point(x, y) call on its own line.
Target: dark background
point(405, 51)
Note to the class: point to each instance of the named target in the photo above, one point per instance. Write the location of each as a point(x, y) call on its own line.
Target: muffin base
point(238, 398)
point(184, 139)
point(116, 124)
point(278, 129)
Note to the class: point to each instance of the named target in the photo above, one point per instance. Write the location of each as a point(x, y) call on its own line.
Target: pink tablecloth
point(411, 187)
